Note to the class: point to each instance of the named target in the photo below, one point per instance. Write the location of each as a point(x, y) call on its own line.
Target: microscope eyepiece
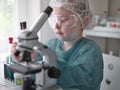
point(48, 10)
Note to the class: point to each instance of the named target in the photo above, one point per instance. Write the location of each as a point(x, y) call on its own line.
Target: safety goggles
point(63, 21)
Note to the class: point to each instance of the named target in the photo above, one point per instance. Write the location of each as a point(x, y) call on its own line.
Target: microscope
point(45, 70)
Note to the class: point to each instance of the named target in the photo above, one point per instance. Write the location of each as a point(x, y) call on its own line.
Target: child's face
point(66, 24)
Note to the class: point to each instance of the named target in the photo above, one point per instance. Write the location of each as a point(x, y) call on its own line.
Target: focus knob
point(54, 72)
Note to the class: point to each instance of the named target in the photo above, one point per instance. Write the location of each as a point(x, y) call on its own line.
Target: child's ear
point(85, 20)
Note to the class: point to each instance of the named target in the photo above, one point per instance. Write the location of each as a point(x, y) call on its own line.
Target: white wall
point(32, 12)
point(46, 32)
point(113, 5)
point(25, 10)
point(98, 6)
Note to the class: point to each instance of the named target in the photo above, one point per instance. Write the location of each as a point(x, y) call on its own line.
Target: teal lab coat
point(81, 66)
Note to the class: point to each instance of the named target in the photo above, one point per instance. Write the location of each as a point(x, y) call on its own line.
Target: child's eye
point(64, 19)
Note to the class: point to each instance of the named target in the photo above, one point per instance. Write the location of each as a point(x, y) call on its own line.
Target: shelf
point(105, 32)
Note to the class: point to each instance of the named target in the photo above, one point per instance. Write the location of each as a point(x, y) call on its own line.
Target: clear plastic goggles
point(63, 21)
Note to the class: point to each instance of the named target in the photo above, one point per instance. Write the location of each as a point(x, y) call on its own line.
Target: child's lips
point(59, 33)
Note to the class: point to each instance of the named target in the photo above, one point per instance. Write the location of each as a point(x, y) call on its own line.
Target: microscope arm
point(49, 56)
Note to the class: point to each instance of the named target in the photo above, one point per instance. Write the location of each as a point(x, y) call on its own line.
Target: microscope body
point(46, 72)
